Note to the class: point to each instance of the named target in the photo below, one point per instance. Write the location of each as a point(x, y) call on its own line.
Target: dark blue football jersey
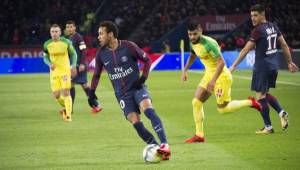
point(121, 65)
point(265, 36)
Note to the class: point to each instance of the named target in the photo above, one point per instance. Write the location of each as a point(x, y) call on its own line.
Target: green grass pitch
point(34, 136)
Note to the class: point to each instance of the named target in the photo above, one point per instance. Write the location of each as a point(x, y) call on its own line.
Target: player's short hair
point(55, 25)
point(110, 27)
point(70, 22)
point(193, 24)
point(258, 7)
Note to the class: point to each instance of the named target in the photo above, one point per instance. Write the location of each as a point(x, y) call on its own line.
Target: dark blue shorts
point(81, 77)
point(130, 101)
point(263, 80)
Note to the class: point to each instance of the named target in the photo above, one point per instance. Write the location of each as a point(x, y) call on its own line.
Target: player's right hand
point(81, 68)
point(184, 76)
point(293, 67)
point(52, 66)
point(73, 72)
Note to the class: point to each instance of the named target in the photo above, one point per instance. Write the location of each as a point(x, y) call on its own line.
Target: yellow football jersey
point(208, 50)
point(57, 53)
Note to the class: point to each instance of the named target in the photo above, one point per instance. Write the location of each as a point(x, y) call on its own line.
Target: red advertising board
point(220, 23)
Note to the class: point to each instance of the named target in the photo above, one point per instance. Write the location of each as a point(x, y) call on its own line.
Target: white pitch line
point(249, 78)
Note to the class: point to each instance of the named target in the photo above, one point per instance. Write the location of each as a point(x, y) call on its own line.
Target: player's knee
point(196, 102)
point(133, 118)
point(221, 110)
point(56, 94)
point(66, 92)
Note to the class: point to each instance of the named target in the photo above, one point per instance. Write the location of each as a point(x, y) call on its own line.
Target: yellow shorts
point(59, 82)
point(222, 87)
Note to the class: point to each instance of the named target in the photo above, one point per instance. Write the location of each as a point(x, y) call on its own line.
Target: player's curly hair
point(110, 27)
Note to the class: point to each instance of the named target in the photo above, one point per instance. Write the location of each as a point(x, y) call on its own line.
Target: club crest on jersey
point(124, 59)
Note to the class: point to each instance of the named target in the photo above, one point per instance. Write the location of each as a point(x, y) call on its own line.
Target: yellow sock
point(68, 104)
point(61, 101)
point(235, 105)
point(198, 116)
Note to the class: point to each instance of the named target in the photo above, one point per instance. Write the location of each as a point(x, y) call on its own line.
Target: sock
point(87, 91)
point(72, 92)
point(274, 103)
point(265, 111)
point(68, 104)
point(144, 133)
point(198, 116)
point(235, 105)
point(61, 101)
point(156, 124)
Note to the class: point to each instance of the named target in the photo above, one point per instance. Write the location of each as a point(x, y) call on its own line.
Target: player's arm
point(287, 54)
point(188, 64)
point(73, 54)
point(142, 56)
point(216, 53)
point(95, 81)
point(82, 48)
point(46, 58)
point(249, 46)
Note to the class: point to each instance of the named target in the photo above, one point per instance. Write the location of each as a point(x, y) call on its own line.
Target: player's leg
point(146, 106)
point(141, 130)
point(201, 95)
point(131, 112)
point(274, 103)
point(223, 95)
point(56, 89)
point(73, 92)
point(260, 84)
point(66, 86)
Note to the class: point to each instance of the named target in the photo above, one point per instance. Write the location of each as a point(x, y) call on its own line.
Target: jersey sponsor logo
point(120, 73)
point(124, 59)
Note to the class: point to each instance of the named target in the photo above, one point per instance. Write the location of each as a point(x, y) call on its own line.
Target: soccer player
point(120, 60)
point(81, 66)
point(56, 56)
point(264, 38)
point(217, 79)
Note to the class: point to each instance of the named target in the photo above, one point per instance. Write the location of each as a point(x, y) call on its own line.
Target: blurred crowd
point(28, 22)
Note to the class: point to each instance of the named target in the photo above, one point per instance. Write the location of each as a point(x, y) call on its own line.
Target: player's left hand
point(293, 67)
point(73, 72)
point(211, 86)
point(138, 84)
point(81, 68)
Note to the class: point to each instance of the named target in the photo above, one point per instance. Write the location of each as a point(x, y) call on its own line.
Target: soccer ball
point(150, 154)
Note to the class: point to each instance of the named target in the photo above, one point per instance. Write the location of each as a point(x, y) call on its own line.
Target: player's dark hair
point(71, 22)
point(110, 27)
point(258, 7)
point(193, 24)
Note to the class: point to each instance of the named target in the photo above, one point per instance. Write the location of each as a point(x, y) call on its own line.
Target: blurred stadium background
point(156, 26)
point(33, 137)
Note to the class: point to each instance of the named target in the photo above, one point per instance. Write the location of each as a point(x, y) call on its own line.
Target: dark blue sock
point(87, 91)
point(72, 92)
point(144, 133)
point(156, 124)
point(265, 111)
point(274, 102)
